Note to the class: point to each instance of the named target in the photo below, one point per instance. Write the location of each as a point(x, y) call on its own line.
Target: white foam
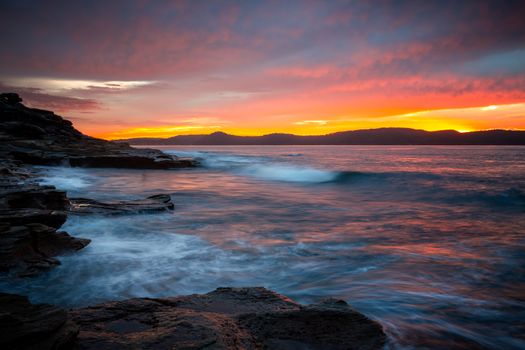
point(289, 173)
point(262, 167)
point(66, 179)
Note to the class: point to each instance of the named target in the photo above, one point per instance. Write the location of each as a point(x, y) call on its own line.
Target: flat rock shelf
point(227, 318)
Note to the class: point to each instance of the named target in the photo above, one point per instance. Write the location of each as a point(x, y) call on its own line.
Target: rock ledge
point(227, 318)
point(36, 136)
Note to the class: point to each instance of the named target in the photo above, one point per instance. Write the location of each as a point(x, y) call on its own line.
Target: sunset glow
point(262, 174)
point(253, 68)
point(461, 119)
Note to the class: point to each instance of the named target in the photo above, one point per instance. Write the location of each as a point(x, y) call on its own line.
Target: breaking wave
point(65, 178)
point(264, 168)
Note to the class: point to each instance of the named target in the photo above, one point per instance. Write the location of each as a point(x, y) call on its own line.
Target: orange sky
point(253, 68)
point(508, 116)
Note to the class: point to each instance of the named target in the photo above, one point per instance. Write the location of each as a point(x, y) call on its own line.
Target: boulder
point(33, 196)
point(30, 327)
point(30, 248)
point(227, 318)
point(10, 98)
point(30, 215)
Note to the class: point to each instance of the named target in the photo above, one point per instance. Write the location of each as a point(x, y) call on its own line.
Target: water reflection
point(427, 240)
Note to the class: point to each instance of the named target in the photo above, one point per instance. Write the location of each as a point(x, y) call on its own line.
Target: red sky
point(123, 69)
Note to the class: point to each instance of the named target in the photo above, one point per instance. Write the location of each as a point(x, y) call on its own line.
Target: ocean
point(428, 240)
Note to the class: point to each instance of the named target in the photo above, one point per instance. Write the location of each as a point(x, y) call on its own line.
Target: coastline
point(32, 215)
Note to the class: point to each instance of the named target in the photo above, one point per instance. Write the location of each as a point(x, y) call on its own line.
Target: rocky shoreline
point(30, 242)
point(227, 318)
point(30, 217)
point(32, 214)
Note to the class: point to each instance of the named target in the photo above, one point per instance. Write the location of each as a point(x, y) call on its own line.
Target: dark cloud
point(120, 40)
point(34, 97)
point(257, 62)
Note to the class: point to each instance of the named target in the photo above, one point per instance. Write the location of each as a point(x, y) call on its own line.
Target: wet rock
point(156, 203)
point(318, 326)
point(30, 215)
point(39, 137)
point(30, 248)
point(135, 160)
point(29, 327)
point(51, 218)
point(33, 196)
point(227, 318)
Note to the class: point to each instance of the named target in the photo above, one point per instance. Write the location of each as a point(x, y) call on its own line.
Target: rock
point(135, 160)
point(318, 326)
point(157, 203)
point(227, 318)
point(30, 215)
point(31, 248)
point(33, 196)
point(51, 218)
point(12, 173)
point(39, 137)
point(29, 327)
point(10, 98)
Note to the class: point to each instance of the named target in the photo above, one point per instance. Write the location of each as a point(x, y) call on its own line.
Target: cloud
point(36, 97)
point(261, 65)
point(58, 85)
point(314, 122)
point(160, 131)
point(134, 40)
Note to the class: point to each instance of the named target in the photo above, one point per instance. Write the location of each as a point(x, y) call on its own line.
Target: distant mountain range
point(382, 136)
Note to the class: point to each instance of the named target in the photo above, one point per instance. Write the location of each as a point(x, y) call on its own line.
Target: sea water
point(428, 240)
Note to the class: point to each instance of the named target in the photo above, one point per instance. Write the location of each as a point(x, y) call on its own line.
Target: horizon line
point(313, 135)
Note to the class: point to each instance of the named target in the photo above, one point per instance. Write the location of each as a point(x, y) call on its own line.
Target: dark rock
point(28, 130)
point(30, 248)
point(30, 327)
point(318, 326)
point(30, 215)
point(157, 203)
point(51, 218)
point(227, 318)
point(33, 196)
point(39, 137)
point(10, 98)
point(136, 160)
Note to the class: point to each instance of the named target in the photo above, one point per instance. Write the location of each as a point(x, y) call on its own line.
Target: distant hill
point(382, 136)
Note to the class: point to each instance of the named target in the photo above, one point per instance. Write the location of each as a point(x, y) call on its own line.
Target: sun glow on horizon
point(507, 116)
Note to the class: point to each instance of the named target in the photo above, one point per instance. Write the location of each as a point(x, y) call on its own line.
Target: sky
point(122, 69)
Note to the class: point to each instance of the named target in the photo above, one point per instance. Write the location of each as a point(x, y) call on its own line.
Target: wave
point(260, 167)
point(289, 173)
point(456, 189)
point(65, 178)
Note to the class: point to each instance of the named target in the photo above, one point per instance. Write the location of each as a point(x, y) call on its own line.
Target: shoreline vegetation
point(30, 242)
